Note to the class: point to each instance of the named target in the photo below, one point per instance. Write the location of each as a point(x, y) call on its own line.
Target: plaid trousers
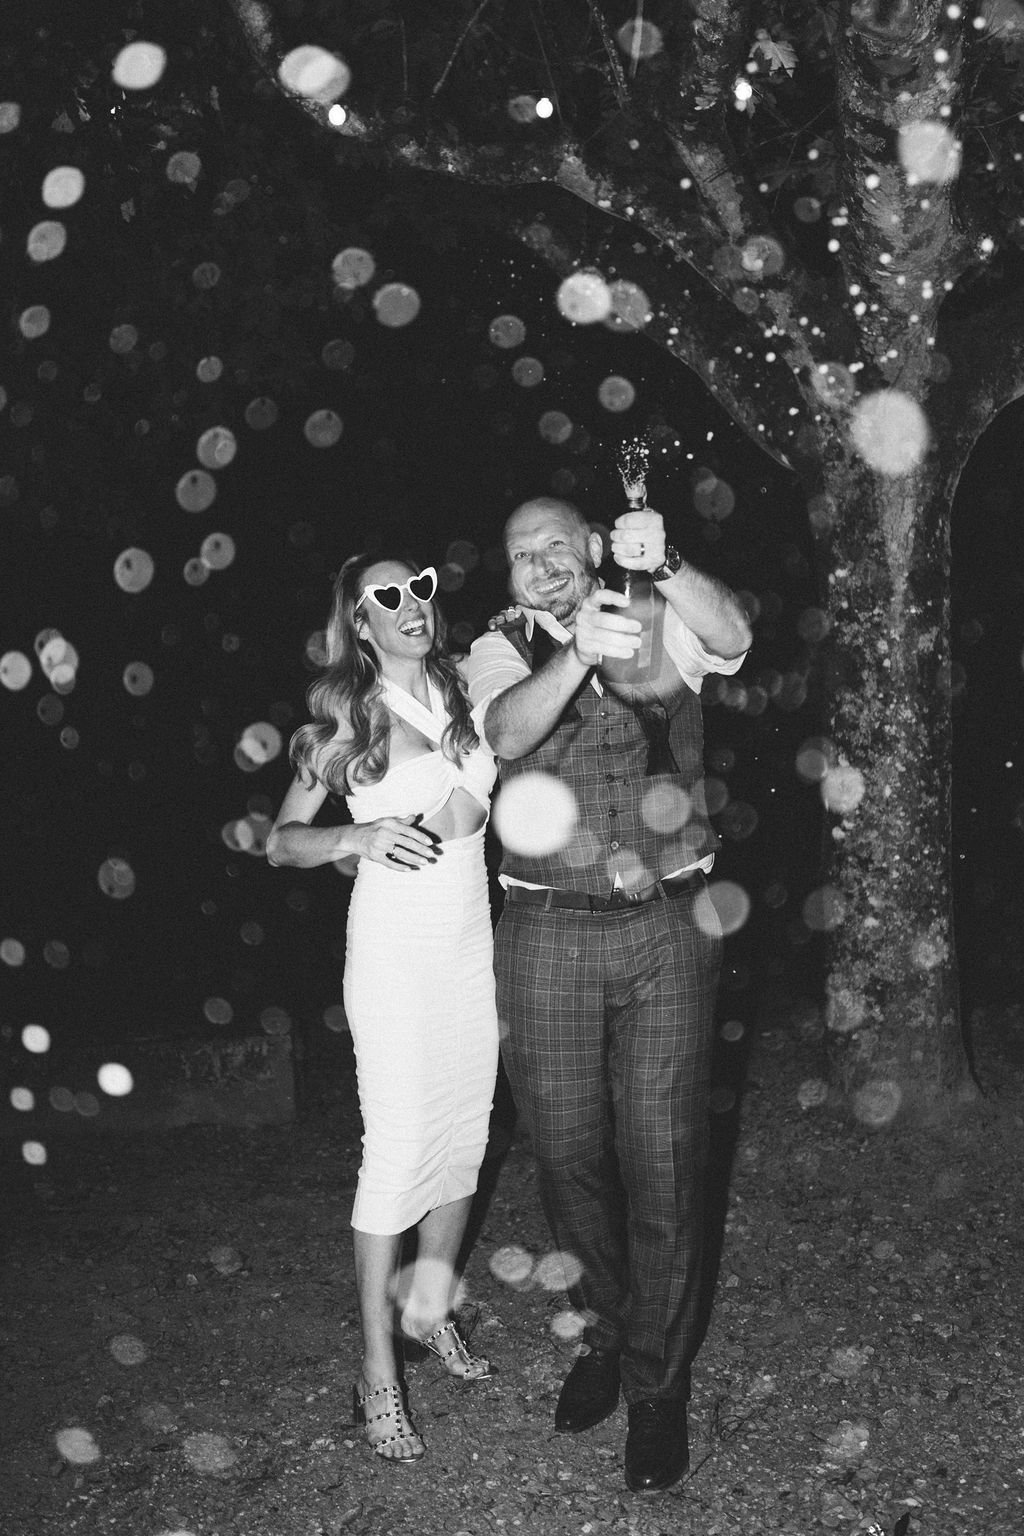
point(607, 1024)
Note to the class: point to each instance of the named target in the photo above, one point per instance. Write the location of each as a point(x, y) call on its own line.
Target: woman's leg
point(432, 1288)
point(376, 1259)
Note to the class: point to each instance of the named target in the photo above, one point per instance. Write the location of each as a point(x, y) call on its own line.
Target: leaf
point(776, 55)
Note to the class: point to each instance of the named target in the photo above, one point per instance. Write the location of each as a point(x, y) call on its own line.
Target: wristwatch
point(668, 567)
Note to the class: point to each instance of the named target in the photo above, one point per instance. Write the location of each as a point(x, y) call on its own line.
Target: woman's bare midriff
point(460, 816)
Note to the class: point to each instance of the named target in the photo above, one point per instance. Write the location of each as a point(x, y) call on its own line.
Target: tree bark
point(892, 987)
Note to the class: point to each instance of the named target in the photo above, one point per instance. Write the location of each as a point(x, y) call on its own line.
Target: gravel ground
point(180, 1337)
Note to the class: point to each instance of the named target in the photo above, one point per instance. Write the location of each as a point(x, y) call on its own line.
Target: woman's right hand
point(397, 844)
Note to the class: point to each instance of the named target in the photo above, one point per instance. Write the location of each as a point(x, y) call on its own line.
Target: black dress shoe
point(657, 1449)
point(589, 1393)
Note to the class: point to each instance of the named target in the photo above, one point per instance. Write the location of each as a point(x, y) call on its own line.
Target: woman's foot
point(390, 1433)
point(446, 1343)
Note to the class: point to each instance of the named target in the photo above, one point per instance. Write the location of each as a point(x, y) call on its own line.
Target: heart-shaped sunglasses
point(389, 596)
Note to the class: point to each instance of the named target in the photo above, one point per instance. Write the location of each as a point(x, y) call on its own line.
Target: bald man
point(608, 948)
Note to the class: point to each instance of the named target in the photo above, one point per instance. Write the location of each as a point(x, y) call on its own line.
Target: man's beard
point(565, 605)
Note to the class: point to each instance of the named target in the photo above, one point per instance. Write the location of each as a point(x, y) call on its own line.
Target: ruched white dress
point(419, 993)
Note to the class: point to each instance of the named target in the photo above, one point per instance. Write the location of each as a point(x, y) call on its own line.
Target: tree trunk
point(892, 992)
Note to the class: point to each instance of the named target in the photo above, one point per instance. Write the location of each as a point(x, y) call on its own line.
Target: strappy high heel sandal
point(388, 1425)
point(447, 1345)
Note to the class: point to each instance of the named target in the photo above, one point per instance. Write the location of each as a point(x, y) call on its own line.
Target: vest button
point(613, 846)
point(612, 811)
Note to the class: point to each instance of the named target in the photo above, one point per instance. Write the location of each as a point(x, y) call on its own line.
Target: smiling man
point(608, 949)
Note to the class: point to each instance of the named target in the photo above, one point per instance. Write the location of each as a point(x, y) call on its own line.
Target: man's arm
point(705, 605)
point(524, 713)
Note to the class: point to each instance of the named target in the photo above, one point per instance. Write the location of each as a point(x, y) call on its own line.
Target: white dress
point(419, 993)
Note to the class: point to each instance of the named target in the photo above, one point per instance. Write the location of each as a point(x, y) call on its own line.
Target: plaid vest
point(634, 762)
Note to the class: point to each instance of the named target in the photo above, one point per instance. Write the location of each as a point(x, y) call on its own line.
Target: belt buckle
point(620, 899)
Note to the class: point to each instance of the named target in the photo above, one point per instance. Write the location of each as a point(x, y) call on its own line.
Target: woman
point(391, 731)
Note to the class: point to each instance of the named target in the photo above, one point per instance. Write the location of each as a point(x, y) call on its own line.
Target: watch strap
point(671, 563)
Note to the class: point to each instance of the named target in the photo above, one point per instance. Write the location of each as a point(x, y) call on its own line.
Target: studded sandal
point(446, 1343)
point(388, 1425)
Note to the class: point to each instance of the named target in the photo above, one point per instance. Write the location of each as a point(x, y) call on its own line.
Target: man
point(608, 949)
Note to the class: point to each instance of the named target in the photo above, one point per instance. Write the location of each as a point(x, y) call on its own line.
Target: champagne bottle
point(637, 586)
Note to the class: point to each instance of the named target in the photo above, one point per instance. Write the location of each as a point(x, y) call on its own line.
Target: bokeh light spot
point(139, 66)
point(115, 1079)
point(814, 759)
point(35, 1038)
point(666, 808)
point(812, 1093)
point(337, 354)
point(824, 909)
point(216, 447)
point(63, 186)
point(557, 1271)
point(555, 427)
point(877, 1103)
point(731, 903)
point(261, 413)
point(116, 879)
point(138, 679)
point(527, 371)
point(209, 1453)
point(217, 551)
point(184, 168)
point(639, 39)
point(128, 1350)
point(512, 1264)
point(46, 240)
point(34, 322)
point(396, 304)
point(833, 384)
point(34, 1153)
point(77, 1445)
point(507, 331)
point(890, 431)
point(843, 788)
point(314, 73)
point(353, 268)
point(616, 393)
point(12, 952)
point(631, 308)
point(123, 339)
point(584, 298)
point(928, 152)
point(15, 670)
point(322, 428)
point(206, 275)
point(535, 814)
point(196, 490)
point(22, 1099)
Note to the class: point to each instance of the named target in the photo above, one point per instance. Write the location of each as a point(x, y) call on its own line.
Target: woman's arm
point(390, 840)
point(294, 841)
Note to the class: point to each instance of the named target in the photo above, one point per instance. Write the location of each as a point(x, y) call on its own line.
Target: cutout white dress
point(419, 993)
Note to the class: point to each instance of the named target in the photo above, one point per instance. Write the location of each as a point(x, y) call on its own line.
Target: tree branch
point(467, 29)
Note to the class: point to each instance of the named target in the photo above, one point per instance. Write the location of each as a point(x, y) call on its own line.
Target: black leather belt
point(616, 901)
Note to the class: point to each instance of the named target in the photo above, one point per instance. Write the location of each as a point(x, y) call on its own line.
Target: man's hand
point(638, 540)
point(601, 633)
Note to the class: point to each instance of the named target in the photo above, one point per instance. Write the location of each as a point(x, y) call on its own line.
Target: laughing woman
point(391, 731)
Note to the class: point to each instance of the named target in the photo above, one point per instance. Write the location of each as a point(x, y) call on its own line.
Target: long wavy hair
point(348, 692)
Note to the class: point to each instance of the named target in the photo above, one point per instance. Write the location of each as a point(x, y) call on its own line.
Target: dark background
point(439, 444)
